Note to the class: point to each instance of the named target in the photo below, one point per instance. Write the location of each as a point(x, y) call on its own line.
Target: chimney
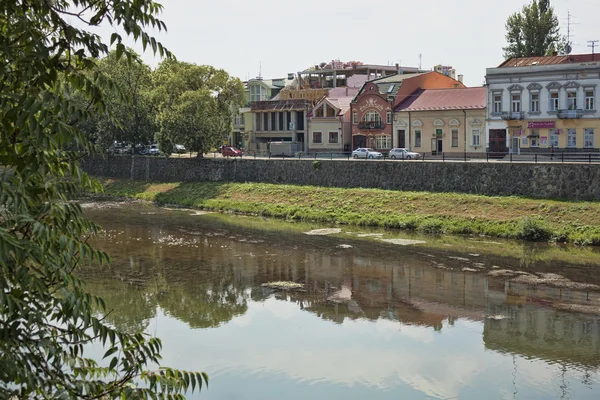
point(555, 53)
point(460, 78)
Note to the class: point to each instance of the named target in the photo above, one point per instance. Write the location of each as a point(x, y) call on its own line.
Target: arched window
point(371, 116)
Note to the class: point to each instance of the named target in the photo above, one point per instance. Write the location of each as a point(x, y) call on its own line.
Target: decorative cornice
point(571, 85)
point(515, 88)
point(534, 86)
point(417, 122)
point(438, 122)
point(454, 122)
point(553, 85)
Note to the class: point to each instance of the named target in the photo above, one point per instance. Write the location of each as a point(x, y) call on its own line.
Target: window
point(372, 116)
point(384, 142)
point(257, 93)
point(553, 138)
point(535, 138)
point(554, 101)
point(516, 103)
point(388, 117)
point(572, 100)
point(589, 99)
point(417, 138)
point(476, 137)
point(355, 117)
point(317, 137)
point(571, 138)
point(497, 102)
point(319, 112)
point(265, 121)
point(588, 138)
point(273, 121)
point(330, 112)
point(333, 137)
point(454, 137)
point(535, 102)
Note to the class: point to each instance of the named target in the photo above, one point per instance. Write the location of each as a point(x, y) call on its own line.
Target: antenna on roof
point(420, 61)
point(569, 45)
point(592, 44)
point(260, 70)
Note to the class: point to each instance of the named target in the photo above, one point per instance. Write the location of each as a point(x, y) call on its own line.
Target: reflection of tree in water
point(205, 301)
point(129, 307)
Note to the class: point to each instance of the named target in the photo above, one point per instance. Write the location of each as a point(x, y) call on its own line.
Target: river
point(374, 314)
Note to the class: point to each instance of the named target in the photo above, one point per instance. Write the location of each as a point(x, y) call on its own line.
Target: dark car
point(231, 152)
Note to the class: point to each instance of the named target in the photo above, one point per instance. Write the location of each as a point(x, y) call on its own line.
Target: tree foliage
point(532, 32)
point(50, 85)
point(194, 104)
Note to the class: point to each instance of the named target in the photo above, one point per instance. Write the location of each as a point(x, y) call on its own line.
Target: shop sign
point(541, 125)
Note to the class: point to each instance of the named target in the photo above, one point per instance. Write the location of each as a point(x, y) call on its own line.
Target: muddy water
point(357, 314)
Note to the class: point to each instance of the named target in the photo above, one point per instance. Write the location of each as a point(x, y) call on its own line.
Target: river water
point(374, 314)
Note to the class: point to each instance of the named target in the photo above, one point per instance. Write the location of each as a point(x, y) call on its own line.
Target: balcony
point(371, 125)
point(513, 115)
point(570, 114)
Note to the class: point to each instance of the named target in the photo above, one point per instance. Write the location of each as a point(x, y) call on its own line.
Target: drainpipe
point(410, 133)
point(465, 144)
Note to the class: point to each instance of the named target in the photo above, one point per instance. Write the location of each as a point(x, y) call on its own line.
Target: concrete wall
point(564, 181)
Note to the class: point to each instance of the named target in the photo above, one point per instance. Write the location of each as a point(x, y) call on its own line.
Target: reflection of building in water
point(526, 324)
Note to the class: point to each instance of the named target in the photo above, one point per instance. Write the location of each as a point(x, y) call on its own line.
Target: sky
point(276, 37)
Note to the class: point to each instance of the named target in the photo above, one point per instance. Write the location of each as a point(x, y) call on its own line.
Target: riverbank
point(425, 212)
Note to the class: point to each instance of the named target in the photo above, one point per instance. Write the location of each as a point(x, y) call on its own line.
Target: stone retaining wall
point(550, 181)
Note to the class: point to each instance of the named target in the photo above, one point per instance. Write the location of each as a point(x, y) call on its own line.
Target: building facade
point(543, 104)
point(373, 108)
point(442, 121)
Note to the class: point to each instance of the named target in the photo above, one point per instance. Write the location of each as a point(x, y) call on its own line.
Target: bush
point(533, 229)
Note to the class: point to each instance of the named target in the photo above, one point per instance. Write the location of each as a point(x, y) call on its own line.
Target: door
point(359, 141)
point(402, 138)
point(516, 145)
point(440, 147)
point(498, 143)
point(433, 147)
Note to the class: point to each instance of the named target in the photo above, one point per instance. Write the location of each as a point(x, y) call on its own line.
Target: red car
point(231, 152)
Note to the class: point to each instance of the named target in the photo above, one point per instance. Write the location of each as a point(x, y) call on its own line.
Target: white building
point(543, 103)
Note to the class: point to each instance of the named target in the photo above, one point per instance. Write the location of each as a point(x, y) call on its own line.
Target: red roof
point(549, 60)
point(445, 99)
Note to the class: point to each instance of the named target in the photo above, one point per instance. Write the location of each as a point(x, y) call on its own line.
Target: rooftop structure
point(445, 99)
point(549, 60)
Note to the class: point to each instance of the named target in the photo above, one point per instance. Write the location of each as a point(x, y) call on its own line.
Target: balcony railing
point(570, 114)
point(371, 125)
point(513, 115)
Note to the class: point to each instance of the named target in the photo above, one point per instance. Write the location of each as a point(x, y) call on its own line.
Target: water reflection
point(372, 321)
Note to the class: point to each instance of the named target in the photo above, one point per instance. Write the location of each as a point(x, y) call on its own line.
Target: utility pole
point(592, 44)
point(420, 61)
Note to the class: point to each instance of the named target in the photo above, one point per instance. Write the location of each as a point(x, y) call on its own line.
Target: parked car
point(220, 148)
point(403, 154)
point(179, 148)
point(153, 150)
point(231, 152)
point(366, 153)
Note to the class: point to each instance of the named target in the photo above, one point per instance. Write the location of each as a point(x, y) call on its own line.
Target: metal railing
point(570, 114)
point(508, 115)
point(371, 125)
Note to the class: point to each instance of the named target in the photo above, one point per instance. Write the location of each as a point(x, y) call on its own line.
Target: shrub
point(533, 229)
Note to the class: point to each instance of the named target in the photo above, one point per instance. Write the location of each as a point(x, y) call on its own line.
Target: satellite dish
point(568, 49)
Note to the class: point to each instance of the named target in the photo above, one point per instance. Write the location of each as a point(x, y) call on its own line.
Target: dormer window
point(319, 112)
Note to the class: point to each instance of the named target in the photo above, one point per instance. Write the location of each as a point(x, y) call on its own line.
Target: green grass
point(430, 213)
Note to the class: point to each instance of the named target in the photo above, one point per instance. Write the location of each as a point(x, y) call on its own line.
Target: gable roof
point(340, 98)
point(390, 85)
point(548, 60)
point(445, 99)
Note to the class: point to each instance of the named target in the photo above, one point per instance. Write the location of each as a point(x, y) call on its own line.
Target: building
point(447, 70)
point(442, 121)
point(372, 109)
point(329, 122)
point(543, 103)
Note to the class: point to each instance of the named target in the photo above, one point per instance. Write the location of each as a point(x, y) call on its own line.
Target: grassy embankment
point(432, 213)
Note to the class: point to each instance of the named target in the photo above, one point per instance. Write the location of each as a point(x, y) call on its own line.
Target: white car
point(153, 150)
point(179, 148)
point(366, 153)
point(403, 154)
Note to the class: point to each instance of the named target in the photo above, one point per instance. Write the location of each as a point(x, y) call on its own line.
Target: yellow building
point(440, 121)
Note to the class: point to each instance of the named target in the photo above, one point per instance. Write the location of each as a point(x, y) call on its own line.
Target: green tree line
point(176, 103)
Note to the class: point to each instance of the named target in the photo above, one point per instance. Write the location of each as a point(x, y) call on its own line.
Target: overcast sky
point(288, 36)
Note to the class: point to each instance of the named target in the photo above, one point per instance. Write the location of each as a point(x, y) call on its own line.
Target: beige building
point(440, 121)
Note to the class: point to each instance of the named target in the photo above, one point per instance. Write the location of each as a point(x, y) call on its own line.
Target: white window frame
point(535, 138)
point(590, 101)
point(476, 137)
point(515, 104)
point(354, 117)
point(496, 104)
point(383, 142)
point(337, 137)
point(534, 104)
point(554, 104)
point(588, 138)
point(571, 100)
point(321, 137)
point(371, 116)
point(388, 117)
point(418, 138)
point(554, 138)
point(571, 134)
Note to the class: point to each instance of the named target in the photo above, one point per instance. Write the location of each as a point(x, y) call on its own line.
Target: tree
point(532, 32)
point(194, 105)
point(47, 66)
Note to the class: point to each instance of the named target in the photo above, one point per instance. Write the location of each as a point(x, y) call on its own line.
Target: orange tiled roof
point(445, 99)
point(549, 60)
